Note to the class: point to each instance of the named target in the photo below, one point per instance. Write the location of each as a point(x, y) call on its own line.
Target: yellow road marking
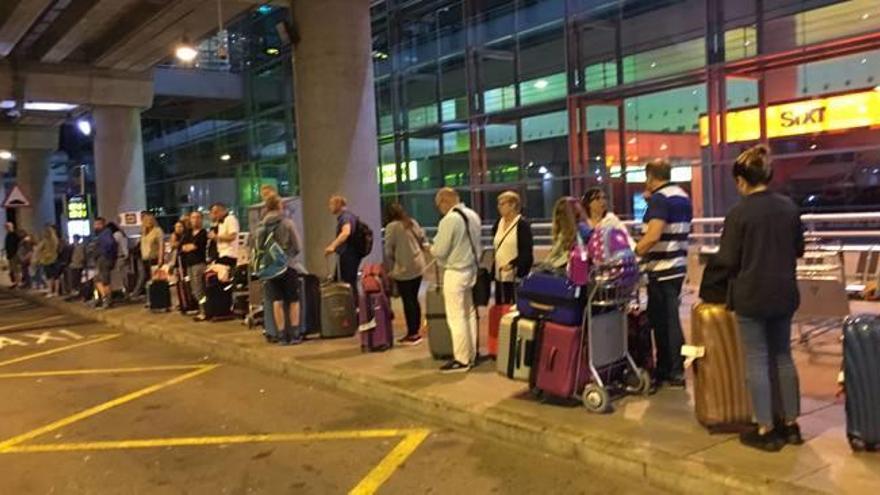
point(99, 371)
point(151, 443)
point(61, 423)
point(380, 474)
point(60, 349)
point(32, 322)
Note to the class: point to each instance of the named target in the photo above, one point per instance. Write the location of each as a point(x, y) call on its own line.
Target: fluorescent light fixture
point(84, 126)
point(5, 155)
point(541, 84)
point(226, 157)
point(185, 51)
point(46, 106)
point(7, 104)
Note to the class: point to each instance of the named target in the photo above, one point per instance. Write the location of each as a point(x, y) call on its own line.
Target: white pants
point(461, 315)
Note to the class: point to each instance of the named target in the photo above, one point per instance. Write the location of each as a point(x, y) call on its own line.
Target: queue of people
point(758, 255)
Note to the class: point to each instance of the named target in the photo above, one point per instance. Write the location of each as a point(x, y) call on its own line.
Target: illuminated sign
point(835, 113)
point(77, 208)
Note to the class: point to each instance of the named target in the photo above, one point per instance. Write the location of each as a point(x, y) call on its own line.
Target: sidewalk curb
point(598, 451)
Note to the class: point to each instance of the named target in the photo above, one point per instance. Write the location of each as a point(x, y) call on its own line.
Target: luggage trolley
point(604, 342)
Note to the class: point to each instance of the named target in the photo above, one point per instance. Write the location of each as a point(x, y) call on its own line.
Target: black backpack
point(362, 238)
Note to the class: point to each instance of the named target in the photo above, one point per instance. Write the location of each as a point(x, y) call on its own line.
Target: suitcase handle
point(552, 361)
point(541, 307)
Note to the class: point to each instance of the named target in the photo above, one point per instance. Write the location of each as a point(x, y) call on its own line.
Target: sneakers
point(411, 340)
point(790, 434)
point(768, 442)
point(454, 367)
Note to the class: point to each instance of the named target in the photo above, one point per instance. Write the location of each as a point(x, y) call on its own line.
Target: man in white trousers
point(457, 248)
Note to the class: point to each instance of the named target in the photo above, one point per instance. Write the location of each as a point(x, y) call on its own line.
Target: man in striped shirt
point(664, 247)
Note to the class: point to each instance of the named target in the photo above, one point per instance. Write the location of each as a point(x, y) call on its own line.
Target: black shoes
point(676, 381)
point(789, 434)
point(768, 442)
point(455, 367)
point(773, 441)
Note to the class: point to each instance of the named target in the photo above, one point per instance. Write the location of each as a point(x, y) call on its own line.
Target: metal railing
point(860, 231)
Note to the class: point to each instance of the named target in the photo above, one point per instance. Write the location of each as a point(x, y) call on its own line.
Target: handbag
point(579, 263)
point(483, 286)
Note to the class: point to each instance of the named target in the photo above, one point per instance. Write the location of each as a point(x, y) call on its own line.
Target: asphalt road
point(88, 409)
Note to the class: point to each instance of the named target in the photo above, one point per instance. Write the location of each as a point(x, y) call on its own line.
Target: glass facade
point(549, 97)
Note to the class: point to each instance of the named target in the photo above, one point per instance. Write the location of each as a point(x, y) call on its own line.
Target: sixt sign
point(789, 118)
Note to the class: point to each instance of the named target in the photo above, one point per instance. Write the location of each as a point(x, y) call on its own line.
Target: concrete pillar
point(335, 118)
point(4, 168)
point(34, 177)
point(119, 161)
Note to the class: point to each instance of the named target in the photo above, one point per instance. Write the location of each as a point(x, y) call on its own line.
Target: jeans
point(196, 274)
point(663, 302)
point(505, 292)
point(146, 272)
point(461, 314)
point(409, 294)
point(349, 263)
point(770, 371)
point(39, 278)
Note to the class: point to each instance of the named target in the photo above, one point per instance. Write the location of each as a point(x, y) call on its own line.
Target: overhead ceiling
point(127, 35)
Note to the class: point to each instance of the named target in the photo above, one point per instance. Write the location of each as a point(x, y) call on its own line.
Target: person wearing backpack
point(354, 241)
point(107, 253)
point(275, 251)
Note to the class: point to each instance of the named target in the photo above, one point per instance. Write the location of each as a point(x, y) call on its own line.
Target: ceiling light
point(664, 147)
point(264, 9)
point(45, 106)
point(7, 104)
point(226, 157)
point(543, 170)
point(185, 51)
point(272, 51)
point(864, 61)
point(5, 155)
point(814, 146)
point(541, 84)
point(653, 64)
point(866, 16)
point(514, 146)
point(84, 126)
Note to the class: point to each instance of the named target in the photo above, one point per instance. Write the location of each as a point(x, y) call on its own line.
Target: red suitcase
point(560, 370)
point(496, 312)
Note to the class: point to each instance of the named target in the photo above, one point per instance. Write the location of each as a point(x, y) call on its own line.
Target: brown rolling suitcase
point(721, 396)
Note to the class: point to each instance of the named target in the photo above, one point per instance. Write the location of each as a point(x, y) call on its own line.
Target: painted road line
point(383, 471)
point(32, 322)
point(61, 423)
point(100, 371)
point(28, 357)
point(152, 443)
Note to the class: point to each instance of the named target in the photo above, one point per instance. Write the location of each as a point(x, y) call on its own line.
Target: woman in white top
point(595, 203)
point(513, 242)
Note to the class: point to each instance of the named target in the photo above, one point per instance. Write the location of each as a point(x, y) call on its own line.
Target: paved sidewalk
point(656, 439)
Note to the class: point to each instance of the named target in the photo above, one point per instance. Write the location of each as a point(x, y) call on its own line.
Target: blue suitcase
point(550, 297)
point(861, 361)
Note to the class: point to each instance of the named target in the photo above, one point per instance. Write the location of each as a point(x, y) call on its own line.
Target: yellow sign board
point(834, 113)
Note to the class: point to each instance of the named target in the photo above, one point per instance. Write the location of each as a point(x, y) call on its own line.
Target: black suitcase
point(159, 295)
point(310, 303)
point(861, 362)
point(218, 298)
point(185, 299)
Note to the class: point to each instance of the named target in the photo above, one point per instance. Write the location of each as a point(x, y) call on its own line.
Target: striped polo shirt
point(667, 259)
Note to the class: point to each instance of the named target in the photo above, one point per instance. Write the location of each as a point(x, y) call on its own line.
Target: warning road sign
point(16, 199)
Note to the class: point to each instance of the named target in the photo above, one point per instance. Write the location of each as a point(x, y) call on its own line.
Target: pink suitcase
point(376, 329)
point(558, 372)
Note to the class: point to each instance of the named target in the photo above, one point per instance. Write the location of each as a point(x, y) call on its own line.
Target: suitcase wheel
point(639, 383)
point(857, 444)
point(596, 399)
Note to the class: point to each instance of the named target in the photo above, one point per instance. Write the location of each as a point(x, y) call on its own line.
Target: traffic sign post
point(16, 199)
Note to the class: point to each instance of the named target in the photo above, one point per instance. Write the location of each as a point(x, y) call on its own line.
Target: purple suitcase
point(545, 296)
point(376, 329)
point(560, 370)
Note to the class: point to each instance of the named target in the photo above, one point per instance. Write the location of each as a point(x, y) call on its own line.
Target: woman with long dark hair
point(404, 253)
